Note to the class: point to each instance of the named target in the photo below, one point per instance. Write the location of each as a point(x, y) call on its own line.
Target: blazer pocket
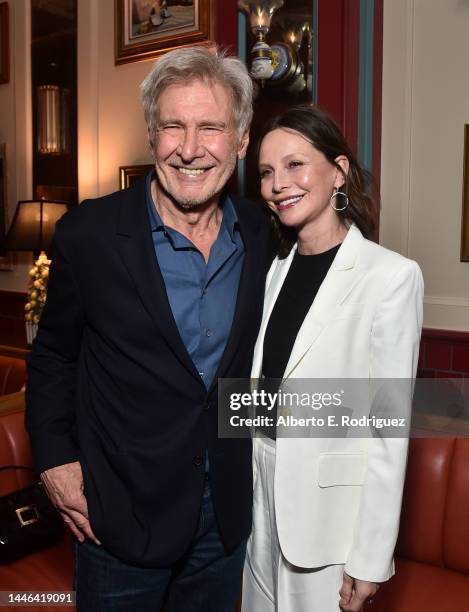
point(341, 469)
point(349, 311)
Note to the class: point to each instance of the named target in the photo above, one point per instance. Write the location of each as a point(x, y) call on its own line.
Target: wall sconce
point(279, 63)
point(295, 32)
point(260, 13)
point(52, 120)
point(32, 229)
point(289, 70)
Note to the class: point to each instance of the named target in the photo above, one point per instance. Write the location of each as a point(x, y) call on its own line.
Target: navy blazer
point(110, 383)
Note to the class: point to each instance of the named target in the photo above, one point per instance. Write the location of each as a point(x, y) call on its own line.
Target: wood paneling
point(12, 325)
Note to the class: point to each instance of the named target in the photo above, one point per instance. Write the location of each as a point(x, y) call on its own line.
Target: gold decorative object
point(37, 294)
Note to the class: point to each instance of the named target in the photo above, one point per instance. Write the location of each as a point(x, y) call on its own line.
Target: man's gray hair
point(182, 66)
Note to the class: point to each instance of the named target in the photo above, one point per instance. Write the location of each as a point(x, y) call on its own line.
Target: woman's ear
point(344, 166)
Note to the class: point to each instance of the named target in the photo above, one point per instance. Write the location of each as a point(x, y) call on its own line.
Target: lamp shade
point(33, 225)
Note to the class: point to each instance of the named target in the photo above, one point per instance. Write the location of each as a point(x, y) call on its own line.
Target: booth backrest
point(12, 374)
point(435, 514)
point(14, 444)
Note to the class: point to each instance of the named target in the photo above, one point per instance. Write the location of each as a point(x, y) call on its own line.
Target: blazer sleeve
point(394, 347)
point(52, 367)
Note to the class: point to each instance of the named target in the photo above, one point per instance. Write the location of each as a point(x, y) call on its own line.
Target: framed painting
point(129, 174)
point(465, 200)
point(145, 29)
point(4, 44)
point(6, 263)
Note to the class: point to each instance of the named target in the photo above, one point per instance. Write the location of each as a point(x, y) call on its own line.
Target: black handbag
point(28, 521)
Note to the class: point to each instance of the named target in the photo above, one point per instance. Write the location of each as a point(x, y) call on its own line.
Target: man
point(154, 293)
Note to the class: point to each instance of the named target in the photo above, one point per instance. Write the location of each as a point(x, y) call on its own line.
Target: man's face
point(196, 143)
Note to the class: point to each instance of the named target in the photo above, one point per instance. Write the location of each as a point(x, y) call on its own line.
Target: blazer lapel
point(342, 276)
point(138, 256)
point(274, 283)
point(249, 227)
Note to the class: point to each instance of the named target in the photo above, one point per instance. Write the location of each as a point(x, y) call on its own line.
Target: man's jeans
point(205, 580)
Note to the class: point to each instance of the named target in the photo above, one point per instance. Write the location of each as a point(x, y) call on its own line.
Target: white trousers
point(270, 582)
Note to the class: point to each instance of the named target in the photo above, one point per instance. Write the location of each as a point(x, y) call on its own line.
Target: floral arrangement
point(37, 294)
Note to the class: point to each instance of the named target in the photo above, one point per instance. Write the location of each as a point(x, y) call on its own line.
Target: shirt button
point(209, 333)
point(204, 291)
point(197, 461)
point(201, 374)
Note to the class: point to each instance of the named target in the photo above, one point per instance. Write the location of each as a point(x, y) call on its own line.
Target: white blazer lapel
point(340, 279)
point(274, 282)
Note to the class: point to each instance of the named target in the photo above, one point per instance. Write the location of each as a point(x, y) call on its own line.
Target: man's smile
point(192, 172)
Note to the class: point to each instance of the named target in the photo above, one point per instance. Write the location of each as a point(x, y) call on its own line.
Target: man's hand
point(64, 485)
point(354, 593)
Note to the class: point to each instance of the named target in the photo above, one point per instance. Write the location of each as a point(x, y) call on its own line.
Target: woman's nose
point(280, 182)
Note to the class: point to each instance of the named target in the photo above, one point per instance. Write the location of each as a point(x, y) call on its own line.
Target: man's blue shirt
point(202, 295)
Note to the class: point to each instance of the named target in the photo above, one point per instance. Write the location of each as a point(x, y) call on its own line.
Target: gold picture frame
point(129, 174)
point(465, 200)
point(145, 29)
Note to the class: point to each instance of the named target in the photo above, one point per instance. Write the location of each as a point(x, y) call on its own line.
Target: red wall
point(226, 24)
point(338, 63)
point(444, 354)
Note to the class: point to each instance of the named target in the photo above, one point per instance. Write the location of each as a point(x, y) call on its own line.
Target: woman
point(337, 306)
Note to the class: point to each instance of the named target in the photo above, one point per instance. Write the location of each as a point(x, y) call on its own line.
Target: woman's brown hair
point(325, 135)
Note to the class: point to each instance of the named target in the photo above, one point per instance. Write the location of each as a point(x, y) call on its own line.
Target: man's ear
point(243, 145)
point(344, 165)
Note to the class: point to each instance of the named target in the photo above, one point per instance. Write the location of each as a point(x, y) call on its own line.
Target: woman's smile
point(289, 202)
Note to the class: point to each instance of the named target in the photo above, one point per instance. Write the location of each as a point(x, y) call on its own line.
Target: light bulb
point(260, 14)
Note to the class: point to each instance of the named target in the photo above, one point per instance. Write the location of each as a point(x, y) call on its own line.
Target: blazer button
point(197, 461)
point(206, 406)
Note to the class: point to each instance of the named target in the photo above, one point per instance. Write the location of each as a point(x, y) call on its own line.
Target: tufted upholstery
point(432, 554)
point(50, 569)
point(12, 374)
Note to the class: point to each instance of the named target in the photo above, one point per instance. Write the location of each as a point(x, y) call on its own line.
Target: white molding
point(88, 99)
point(449, 313)
point(397, 123)
point(407, 167)
point(441, 300)
point(23, 99)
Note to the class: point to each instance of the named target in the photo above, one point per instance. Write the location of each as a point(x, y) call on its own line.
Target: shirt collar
point(229, 221)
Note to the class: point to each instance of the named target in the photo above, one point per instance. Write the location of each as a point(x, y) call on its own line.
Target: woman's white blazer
point(338, 500)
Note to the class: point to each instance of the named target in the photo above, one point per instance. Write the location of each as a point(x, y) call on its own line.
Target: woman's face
point(297, 181)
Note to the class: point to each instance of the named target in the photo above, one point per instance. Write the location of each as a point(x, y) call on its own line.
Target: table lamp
point(32, 229)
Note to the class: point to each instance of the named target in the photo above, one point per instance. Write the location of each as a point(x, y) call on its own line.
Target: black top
point(301, 285)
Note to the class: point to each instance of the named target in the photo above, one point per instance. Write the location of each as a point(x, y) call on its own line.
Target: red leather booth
point(12, 374)
point(47, 570)
point(432, 556)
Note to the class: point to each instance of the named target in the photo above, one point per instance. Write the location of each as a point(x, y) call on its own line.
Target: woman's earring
point(336, 194)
